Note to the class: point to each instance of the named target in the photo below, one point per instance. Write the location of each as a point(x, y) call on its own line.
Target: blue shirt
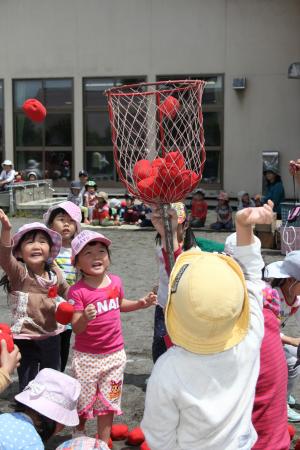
point(17, 432)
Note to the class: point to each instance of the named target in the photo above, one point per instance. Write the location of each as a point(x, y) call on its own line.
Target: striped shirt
point(63, 260)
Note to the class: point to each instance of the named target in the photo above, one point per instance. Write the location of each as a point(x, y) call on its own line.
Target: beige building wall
point(257, 39)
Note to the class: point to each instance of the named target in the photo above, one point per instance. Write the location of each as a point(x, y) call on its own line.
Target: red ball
point(64, 313)
point(170, 107)
point(135, 437)
point(156, 164)
point(34, 110)
point(9, 341)
point(110, 443)
point(142, 169)
point(144, 446)
point(291, 430)
point(119, 432)
point(149, 188)
point(5, 328)
point(176, 158)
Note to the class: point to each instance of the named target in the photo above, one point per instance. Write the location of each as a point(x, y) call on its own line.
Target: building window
point(1, 120)
point(46, 148)
point(213, 120)
point(98, 149)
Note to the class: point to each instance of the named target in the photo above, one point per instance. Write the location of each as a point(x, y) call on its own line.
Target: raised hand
point(157, 220)
point(9, 361)
point(257, 215)
point(4, 220)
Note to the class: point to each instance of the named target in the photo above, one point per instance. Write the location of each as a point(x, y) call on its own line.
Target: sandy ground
point(133, 258)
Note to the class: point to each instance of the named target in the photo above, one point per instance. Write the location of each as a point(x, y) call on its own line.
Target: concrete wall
point(257, 39)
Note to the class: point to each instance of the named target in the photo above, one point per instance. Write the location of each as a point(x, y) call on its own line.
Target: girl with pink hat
point(65, 218)
point(99, 358)
point(32, 283)
point(224, 213)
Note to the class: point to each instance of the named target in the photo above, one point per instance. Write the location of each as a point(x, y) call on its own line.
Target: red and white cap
point(83, 238)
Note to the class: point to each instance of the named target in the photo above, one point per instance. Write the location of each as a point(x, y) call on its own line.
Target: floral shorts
point(101, 379)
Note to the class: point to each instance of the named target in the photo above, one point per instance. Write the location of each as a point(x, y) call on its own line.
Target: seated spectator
point(115, 208)
point(76, 197)
point(101, 213)
point(19, 177)
point(144, 215)
point(90, 199)
point(8, 363)
point(33, 166)
point(199, 209)
point(122, 210)
point(131, 214)
point(244, 200)
point(47, 404)
point(7, 175)
point(224, 213)
point(32, 176)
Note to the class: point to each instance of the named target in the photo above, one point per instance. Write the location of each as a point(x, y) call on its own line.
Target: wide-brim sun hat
point(83, 238)
point(54, 395)
point(73, 210)
point(203, 316)
point(7, 162)
point(37, 226)
point(288, 268)
point(103, 195)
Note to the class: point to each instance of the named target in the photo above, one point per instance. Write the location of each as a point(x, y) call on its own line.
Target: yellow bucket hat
point(208, 306)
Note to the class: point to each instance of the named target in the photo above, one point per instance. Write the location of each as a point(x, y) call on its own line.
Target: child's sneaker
point(291, 400)
point(293, 416)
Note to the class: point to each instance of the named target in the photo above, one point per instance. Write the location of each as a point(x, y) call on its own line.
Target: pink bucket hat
point(83, 238)
point(54, 395)
point(73, 210)
point(34, 226)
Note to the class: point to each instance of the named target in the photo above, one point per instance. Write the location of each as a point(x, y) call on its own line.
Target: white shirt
point(7, 176)
point(204, 402)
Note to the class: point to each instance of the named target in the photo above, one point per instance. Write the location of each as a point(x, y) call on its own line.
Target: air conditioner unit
point(239, 83)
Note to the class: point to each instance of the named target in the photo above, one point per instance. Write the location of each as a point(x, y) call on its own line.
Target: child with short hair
point(224, 213)
point(76, 198)
point(99, 358)
point(65, 218)
point(90, 198)
point(198, 214)
point(245, 201)
point(101, 212)
point(30, 277)
point(131, 214)
point(201, 391)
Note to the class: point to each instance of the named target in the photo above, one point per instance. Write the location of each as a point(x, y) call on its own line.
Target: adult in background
point(7, 175)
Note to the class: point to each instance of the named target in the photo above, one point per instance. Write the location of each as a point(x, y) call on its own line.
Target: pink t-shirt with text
point(103, 335)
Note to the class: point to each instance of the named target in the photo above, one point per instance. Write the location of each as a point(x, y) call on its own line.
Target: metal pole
point(168, 234)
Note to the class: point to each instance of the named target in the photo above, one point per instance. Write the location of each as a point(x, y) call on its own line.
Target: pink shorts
point(101, 379)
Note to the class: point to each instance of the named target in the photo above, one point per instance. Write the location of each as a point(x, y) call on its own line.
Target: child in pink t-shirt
point(99, 358)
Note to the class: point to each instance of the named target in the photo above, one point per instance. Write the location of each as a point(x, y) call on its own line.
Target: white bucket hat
point(288, 268)
point(7, 162)
point(54, 395)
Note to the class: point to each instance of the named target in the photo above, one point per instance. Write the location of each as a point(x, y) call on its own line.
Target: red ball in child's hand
point(110, 443)
point(34, 110)
point(170, 107)
point(64, 313)
point(176, 158)
point(5, 328)
point(119, 432)
point(135, 437)
point(142, 169)
point(9, 341)
point(144, 446)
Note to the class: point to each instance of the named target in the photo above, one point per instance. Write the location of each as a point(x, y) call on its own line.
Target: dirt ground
point(133, 258)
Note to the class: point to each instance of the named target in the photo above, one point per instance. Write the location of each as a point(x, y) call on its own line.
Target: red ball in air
point(34, 110)
point(5, 328)
point(135, 437)
point(9, 341)
point(64, 313)
point(170, 107)
point(142, 169)
point(119, 432)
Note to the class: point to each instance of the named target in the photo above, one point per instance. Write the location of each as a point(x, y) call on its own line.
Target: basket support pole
point(168, 234)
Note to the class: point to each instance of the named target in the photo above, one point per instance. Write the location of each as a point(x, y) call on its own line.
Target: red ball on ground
point(170, 107)
point(64, 313)
point(9, 341)
point(119, 432)
point(142, 169)
point(135, 437)
point(34, 110)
